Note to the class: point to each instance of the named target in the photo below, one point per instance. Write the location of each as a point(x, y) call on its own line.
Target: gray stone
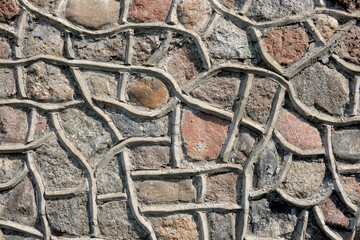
point(150, 157)
point(346, 144)
point(10, 166)
point(7, 83)
point(101, 84)
point(222, 226)
point(109, 180)
point(246, 143)
point(145, 45)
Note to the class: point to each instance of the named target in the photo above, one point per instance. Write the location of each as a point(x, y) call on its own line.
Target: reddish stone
point(149, 92)
point(349, 48)
point(334, 213)
point(8, 10)
point(352, 187)
point(7, 83)
point(150, 10)
point(204, 135)
point(350, 5)
point(297, 131)
point(194, 13)
point(223, 187)
point(5, 50)
point(176, 227)
point(13, 125)
point(286, 45)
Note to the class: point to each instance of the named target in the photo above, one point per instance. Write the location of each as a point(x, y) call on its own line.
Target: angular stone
point(49, 83)
point(326, 25)
point(149, 92)
point(194, 14)
point(150, 157)
point(179, 226)
point(156, 191)
point(267, 166)
point(145, 45)
point(204, 135)
point(346, 144)
point(223, 188)
point(101, 84)
point(7, 83)
point(222, 226)
point(349, 48)
point(323, 88)
point(48, 5)
point(8, 10)
point(150, 10)
point(297, 131)
point(260, 99)
point(93, 13)
point(13, 125)
point(350, 5)
point(304, 177)
point(229, 42)
point(221, 89)
point(109, 180)
point(352, 187)
point(335, 213)
point(69, 215)
point(10, 166)
point(286, 45)
point(5, 49)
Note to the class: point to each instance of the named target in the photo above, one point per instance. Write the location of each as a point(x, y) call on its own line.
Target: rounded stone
point(335, 212)
point(326, 25)
point(8, 10)
point(150, 10)
point(194, 13)
point(349, 48)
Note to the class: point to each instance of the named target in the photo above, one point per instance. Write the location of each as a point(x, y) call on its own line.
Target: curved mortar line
point(131, 193)
point(286, 20)
point(111, 197)
point(355, 224)
point(7, 29)
point(89, 172)
point(332, 167)
point(20, 148)
point(315, 33)
point(301, 226)
point(321, 223)
point(249, 168)
point(13, 226)
point(251, 124)
point(176, 140)
point(57, 194)
point(204, 226)
point(40, 105)
point(207, 31)
point(318, 152)
point(349, 67)
point(285, 167)
point(338, 13)
point(15, 180)
point(245, 7)
point(60, 7)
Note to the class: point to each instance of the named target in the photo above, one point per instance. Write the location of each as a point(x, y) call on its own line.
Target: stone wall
point(179, 119)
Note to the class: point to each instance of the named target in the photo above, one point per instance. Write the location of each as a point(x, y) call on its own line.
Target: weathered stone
point(286, 45)
point(229, 42)
point(313, 232)
point(346, 144)
point(350, 5)
point(349, 48)
point(176, 227)
point(264, 10)
point(7, 83)
point(326, 25)
point(194, 14)
point(323, 88)
point(48, 5)
point(101, 84)
point(49, 83)
point(10, 166)
point(42, 125)
point(351, 185)
point(150, 157)
point(145, 45)
point(304, 177)
point(297, 131)
point(335, 212)
point(93, 13)
point(223, 188)
point(8, 10)
point(204, 135)
point(13, 125)
point(267, 167)
point(69, 216)
point(151, 10)
point(5, 49)
point(221, 89)
point(109, 180)
point(260, 99)
point(229, 3)
point(149, 92)
point(222, 226)
point(156, 191)
point(245, 144)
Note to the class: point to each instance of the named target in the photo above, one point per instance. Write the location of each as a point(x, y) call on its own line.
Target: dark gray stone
point(346, 144)
point(222, 226)
point(109, 180)
point(150, 157)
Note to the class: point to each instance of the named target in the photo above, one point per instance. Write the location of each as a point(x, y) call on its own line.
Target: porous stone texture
point(7, 83)
point(351, 183)
point(48, 5)
point(109, 180)
point(223, 188)
point(13, 125)
point(93, 13)
point(326, 25)
point(5, 49)
point(246, 142)
point(335, 213)
point(286, 44)
point(349, 48)
point(152, 10)
point(347, 144)
point(350, 5)
point(323, 88)
point(8, 10)
point(146, 44)
point(222, 225)
point(203, 134)
point(10, 166)
point(101, 84)
point(150, 157)
point(194, 14)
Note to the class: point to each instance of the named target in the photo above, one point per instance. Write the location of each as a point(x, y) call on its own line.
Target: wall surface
point(180, 119)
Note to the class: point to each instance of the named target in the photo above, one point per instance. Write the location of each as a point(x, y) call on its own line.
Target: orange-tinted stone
point(223, 187)
point(352, 187)
point(149, 10)
point(335, 213)
point(8, 10)
point(176, 227)
point(13, 125)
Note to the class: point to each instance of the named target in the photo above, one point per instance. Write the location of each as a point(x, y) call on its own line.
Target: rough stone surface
point(101, 84)
point(10, 166)
point(5, 49)
point(13, 125)
point(286, 45)
point(222, 225)
point(7, 83)
point(323, 88)
point(350, 5)
point(349, 48)
point(335, 213)
point(145, 45)
point(297, 131)
point(48, 5)
point(156, 191)
point(204, 135)
point(48, 83)
point(8, 10)
point(326, 25)
point(149, 92)
point(150, 157)
point(351, 185)
point(246, 142)
point(194, 14)
point(109, 180)
point(346, 144)
point(93, 13)
point(152, 10)
point(223, 188)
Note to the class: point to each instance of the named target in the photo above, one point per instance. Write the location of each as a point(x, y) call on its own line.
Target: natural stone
point(350, 5)
point(145, 45)
point(260, 99)
point(323, 88)
point(194, 14)
point(313, 232)
point(176, 227)
point(335, 213)
point(229, 3)
point(13, 125)
point(304, 177)
point(48, 5)
point(156, 191)
point(286, 45)
point(149, 92)
point(346, 144)
point(109, 180)
point(349, 48)
point(222, 89)
point(93, 13)
point(297, 131)
point(10, 166)
point(8, 10)
point(7, 83)
point(204, 135)
point(151, 10)
point(326, 25)
point(229, 42)
point(101, 84)
point(222, 226)
point(351, 185)
point(246, 142)
point(150, 157)
point(223, 188)
point(42, 125)
point(5, 49)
